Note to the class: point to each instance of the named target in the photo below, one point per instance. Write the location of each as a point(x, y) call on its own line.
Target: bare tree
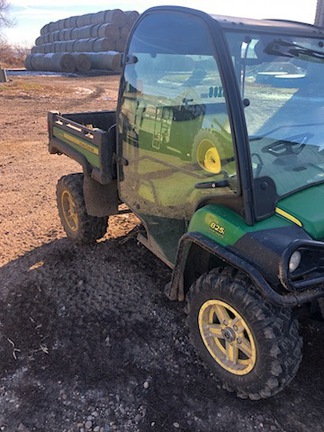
point(10, 56)
point(5, 20)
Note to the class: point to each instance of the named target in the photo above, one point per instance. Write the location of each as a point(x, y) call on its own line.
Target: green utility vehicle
point(217, 145)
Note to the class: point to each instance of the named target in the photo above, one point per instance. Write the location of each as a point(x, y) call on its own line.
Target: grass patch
point(22, 87)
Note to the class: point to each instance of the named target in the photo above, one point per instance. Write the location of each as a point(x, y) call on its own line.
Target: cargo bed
point(89, 138)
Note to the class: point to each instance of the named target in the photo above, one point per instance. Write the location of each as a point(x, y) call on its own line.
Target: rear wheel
point(252, 346)
point(77, 224)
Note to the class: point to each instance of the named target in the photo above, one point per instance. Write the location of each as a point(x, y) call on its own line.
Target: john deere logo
point(217, 228)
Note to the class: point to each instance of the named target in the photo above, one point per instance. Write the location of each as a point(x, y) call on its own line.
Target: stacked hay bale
point(81, 43)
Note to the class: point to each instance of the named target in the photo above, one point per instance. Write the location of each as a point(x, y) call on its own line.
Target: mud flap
point(100, 200)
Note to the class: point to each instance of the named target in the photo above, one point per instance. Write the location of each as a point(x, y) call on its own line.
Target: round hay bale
point(70, 22)
point(46, 38)
point(58, 47)
point(28, 64)
point(94, 30)
point(124, 32)
point(84, 32)
point(84, 20)
point(121, 45)
point(41, 49)
point(39, 40)
point(62, 62)
point(80, 45)
point(67, 34)
point(82, 61)
point(35, 49)
point(109, 30)
point(103, 44)
point(51, 27)
point(79, 21)
point(36, 62)
point(64, 46)
point(44, 30)
point(74, 33)
point(98, 18)
point(61, 35)
point(115, 16)
point(56, 35)
point(38, 49)
point(48, 48)
point(109, 60)
point(69, 46)
point(131, 17)
point(51, 37)
point(60, 24)
point(84, 45)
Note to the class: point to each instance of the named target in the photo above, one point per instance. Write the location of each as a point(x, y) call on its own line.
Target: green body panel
point(225, 227)
point(90, 151)
point(308, 207)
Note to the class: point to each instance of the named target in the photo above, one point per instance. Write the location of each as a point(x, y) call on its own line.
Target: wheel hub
point(227, 337)
point(69, 211)
point(228, 334)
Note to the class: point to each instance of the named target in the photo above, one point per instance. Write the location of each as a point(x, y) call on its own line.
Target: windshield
point(281, 80)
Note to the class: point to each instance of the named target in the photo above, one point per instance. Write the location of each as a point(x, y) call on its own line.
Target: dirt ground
point(88, 341)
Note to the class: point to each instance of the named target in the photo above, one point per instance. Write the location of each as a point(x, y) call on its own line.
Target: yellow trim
point(288, 216)
point(81, 143)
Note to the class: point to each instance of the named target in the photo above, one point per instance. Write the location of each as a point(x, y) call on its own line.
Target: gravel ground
point(88, 342)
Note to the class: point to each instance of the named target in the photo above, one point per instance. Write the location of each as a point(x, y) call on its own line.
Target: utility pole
point(319, 17)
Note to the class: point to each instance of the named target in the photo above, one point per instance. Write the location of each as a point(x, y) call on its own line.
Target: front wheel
point(252, 346)
point(77, 224)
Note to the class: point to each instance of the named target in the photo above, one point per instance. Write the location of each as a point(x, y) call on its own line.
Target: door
point(174, 126)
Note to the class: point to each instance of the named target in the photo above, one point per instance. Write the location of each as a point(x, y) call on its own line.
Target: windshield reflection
point(283, 81)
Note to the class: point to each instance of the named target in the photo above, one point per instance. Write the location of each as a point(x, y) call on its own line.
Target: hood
point(305, 208)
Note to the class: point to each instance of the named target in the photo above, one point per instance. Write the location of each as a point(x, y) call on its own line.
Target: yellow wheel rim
point(227, 337)
point(69, 211)
point(208, 157)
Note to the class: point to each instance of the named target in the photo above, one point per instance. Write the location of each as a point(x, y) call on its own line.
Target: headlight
point(294, 261)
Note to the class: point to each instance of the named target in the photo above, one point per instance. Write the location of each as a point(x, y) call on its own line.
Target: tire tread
point(91, 228)
point(275, 323)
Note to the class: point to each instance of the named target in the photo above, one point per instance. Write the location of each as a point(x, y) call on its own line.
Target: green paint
point(90, 151)
point(225, 227)
point(308, 207)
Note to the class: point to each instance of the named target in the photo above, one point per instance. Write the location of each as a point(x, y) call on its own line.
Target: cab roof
point(237, 23)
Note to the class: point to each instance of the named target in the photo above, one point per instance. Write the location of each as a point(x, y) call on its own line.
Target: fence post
point(3, 75)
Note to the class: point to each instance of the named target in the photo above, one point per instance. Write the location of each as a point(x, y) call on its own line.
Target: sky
point(31, 16)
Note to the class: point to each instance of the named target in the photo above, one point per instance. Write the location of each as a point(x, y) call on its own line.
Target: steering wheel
point(292, 145)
